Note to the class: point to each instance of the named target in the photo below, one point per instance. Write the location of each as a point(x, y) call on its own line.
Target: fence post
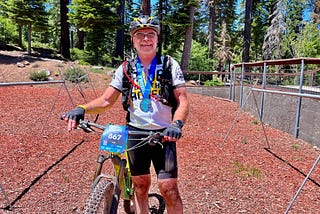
point(296, 130)
point(242, 80)
point(264, 80)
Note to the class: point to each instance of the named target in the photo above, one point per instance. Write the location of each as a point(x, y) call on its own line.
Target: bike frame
point(122, 174)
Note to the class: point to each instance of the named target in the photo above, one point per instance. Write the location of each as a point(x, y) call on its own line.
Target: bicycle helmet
point(144, 21)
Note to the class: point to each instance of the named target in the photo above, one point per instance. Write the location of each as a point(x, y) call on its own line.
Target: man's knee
point(169, 189)
point(141, 183)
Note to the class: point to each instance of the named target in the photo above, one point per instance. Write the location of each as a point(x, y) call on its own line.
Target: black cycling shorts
point(163, 159)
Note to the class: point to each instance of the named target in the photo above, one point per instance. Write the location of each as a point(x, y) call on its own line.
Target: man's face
point(145, 41)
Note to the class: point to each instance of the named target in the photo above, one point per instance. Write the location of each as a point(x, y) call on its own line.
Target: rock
point(97, 67)
point(192, 82)
point(20, 65)
point(26, 62)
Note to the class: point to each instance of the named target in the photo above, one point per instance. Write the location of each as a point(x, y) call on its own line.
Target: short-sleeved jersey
point(159, 115)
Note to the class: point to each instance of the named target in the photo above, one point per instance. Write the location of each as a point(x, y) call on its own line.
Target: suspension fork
point(128, 190)
point(123, 176)
point(100, 160)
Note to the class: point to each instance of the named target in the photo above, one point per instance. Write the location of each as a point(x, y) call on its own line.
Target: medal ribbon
point(145, 84)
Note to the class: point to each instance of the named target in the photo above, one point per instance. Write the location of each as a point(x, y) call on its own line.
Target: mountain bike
point(106, 189)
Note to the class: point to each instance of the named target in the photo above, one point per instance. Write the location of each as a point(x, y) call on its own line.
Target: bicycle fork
point(120, 164)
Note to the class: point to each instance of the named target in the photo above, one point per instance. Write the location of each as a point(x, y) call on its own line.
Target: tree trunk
point(64, 39)
point(29, 38)
point(20, 35)
point(120, 35)
point(164, 29)
point(146, 8)
point(247, 32)
point(160, 11)
point(211, 30)
point(188, 41)
point(80, 40)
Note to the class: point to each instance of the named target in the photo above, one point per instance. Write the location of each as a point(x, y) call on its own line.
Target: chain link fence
point(283, 93)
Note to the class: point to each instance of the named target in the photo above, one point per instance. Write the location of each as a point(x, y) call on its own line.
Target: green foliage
point(199, 60)
point(8, 31)
point(214, 82)
point(97, 70)
point(307, 43)
point(255, 122)
point(98, 19)
point(53, 33)
point(82, 62)
point(28, 13)
point(74, 74)
point(88, 15)
point(80, 55)
point(288, 81)
point(99, 46)
point(245, 171)
point(38, 76)
point(295, 146)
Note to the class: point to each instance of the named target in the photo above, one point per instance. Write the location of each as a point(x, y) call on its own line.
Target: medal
point(145, 105)
point(145, 84)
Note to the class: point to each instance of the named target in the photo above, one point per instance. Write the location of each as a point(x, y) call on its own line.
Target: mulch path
point(45, 169)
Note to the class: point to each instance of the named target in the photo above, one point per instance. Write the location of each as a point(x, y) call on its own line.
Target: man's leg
point(170, 193)
point(141, 189)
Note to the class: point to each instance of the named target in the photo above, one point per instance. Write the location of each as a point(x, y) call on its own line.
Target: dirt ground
point(45, 169)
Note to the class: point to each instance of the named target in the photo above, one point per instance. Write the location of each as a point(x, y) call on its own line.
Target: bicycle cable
point(143, 141)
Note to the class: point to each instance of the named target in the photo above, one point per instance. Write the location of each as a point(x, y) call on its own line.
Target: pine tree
point(98, 20)
point(31, 14)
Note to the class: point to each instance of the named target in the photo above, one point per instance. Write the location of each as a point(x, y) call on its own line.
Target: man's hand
point(73, 117)
point(172, 133)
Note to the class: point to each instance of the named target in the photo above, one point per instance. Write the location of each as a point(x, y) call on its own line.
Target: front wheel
point(100, 198)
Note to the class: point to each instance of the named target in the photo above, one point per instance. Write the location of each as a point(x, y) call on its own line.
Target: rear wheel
point(156, 203)
point(128, 206)
point(100, 198)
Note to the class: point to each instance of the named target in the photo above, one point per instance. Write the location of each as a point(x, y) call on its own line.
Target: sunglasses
point(141, 35)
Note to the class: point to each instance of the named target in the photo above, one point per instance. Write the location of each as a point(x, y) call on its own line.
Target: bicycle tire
point(100, 198)
point(128, 206)
point(156, 203)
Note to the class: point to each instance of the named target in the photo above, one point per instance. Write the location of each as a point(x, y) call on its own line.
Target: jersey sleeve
point(177, 75)
point(117, 78)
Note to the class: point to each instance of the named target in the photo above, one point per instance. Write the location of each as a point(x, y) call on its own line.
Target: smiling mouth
point(146, 46)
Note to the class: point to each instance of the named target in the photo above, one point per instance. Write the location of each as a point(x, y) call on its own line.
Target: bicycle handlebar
point(152, 136)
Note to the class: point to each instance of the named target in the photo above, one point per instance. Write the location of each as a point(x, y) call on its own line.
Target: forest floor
point(46, 169)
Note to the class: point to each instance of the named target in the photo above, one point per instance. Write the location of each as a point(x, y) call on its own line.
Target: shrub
point(38, 76)
point(214, 82)
point(73, 75)
point(80, 55)
point(8, 31)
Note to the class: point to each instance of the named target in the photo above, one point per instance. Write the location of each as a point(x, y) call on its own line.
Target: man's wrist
point(178, 123)
point(83, 107)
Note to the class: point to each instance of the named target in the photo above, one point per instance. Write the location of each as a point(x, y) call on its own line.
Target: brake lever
point(156, 139)
point(85, 127)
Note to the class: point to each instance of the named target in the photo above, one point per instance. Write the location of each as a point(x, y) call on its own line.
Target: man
point(148, 108)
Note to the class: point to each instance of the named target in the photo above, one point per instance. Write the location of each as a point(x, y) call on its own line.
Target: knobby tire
point(128, 206)
point(156, 203)
point(100, 198)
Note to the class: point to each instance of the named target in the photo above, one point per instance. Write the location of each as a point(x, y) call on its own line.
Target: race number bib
point(114, 139)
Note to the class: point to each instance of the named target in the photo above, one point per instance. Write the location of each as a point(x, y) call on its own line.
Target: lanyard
point(145, 83)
